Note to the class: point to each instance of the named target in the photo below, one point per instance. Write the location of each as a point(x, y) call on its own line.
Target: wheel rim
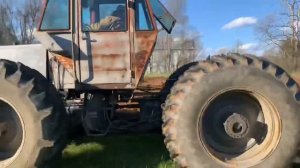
point(239, 127)
point(11, 133)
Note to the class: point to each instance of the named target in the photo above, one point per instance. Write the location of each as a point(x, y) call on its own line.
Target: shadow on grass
point(121, 151)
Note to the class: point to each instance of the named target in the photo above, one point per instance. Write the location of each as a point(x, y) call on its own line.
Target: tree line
point(279, 37)
point(179, 48)
point(282, 32)
point(18, 21)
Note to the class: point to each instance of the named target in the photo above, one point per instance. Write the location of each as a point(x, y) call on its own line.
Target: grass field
point(122, 151)
point(118, 151)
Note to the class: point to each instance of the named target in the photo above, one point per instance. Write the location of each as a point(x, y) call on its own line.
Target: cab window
point(162, 15)
point(142, 17)
point(56, 15)
point(104, 15)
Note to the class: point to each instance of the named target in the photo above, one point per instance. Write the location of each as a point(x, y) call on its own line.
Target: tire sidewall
point(237, 77)
point(22, 104)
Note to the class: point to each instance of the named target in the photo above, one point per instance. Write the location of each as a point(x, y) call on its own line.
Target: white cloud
point(248, 46)
point(240, 22)
point(253, 48)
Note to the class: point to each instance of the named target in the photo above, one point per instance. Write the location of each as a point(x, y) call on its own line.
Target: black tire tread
point(50, 114)
point(184, 85)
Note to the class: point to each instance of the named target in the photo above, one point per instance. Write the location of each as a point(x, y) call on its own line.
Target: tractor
point(227, 111)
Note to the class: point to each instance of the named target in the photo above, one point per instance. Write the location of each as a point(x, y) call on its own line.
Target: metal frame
point(149, 15)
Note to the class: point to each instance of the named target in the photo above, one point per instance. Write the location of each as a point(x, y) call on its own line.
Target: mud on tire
point(192, 93)
point(42, 119)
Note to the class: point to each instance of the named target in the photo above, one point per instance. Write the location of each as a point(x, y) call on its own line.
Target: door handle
point(84, 37)
point(93, 41)
point(90, 40)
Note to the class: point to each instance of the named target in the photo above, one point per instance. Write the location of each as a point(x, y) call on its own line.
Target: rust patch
point(66, 62)
point(144, 46)
point(152, 83)
point(106, 60)
point(113, 86)
point(109, 56)
point(99, 68)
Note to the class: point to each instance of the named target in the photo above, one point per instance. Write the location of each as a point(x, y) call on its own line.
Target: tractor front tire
point(233, 111)
point(32, 118)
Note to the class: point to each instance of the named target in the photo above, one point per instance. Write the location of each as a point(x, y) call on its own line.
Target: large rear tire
point(233, 111)
point(173, 78)
point(32, 116)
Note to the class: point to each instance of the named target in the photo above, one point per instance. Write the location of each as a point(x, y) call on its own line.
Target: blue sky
point(210, 16)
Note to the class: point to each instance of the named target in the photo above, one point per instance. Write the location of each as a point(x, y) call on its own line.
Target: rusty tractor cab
point(102, 44)
point(98, 50)
point(227, 111)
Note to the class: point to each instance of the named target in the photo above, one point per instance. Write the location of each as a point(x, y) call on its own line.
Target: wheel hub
point(11, 133)
point(236, 126)
point(3, 128)
point(239, 127)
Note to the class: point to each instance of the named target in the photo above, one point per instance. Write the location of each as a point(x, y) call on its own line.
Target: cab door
point(104, 42)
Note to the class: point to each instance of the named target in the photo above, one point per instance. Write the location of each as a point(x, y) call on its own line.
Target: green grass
point(122, 151)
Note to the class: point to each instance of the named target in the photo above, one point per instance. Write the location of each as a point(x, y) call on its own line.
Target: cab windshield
point(56, 15)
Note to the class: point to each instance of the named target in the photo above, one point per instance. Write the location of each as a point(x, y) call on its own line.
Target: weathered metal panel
point(144, 45)
point(63, 71)
point(61, 42)
point(107, 60)
point(105, 57)
point(33, 56)
point(66, 62)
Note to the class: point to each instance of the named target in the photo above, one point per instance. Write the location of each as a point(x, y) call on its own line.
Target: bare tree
point(28, 17)
point(238, 47)
point(294, 23)
point(18, 21)
point(186, 49)
point(179, 48)
point(7, 29)
point(283, 31)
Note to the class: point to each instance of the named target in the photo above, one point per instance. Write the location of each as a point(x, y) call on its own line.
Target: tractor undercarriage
point(103, 112)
